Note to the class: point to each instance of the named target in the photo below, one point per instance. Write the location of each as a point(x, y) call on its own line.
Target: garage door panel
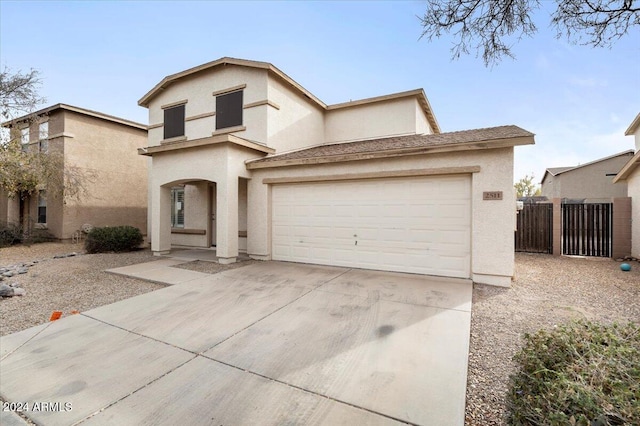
point(420, 225)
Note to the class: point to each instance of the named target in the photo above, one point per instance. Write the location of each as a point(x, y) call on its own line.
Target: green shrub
point(582, 373)
point(10, 234)
point(113, 238)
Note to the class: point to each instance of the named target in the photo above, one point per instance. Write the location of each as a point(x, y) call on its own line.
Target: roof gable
point(170, 79)
point(555, 171)
point(75, 109)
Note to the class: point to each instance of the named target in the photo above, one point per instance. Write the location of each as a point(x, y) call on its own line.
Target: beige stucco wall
point(590, 182)
point(116, 176)
point(493, 222)
point(385, 118)
point(298, 123)
point(198, 90)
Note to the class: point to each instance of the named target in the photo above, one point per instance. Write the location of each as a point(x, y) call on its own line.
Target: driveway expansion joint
point(24, 343)
point(271, 379)
point(139, 334)
point(133, 392)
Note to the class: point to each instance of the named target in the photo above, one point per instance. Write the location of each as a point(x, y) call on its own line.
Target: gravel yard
point(65, 284)
point(547, 291)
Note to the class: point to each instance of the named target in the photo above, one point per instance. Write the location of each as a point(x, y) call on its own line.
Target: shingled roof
point(492, 137)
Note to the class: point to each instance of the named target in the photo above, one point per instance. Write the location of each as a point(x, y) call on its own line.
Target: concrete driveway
point(271, 343)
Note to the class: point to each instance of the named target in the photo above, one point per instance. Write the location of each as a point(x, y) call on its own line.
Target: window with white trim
point(24, 138)
point(42, 207)
point(43, 131)
point(177, 207)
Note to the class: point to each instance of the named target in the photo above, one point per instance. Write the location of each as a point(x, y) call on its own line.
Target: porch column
point(227, 220)
point(160, 220)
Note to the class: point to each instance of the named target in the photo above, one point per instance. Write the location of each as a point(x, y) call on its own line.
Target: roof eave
point(628, 168)
point(83, 111)
point(467, 146)
point(150, 151)
point(633, 126)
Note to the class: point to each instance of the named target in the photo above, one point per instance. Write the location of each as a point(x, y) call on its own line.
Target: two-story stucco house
point(630, 175)
point(103, 150)
point(591, 182)
point(245, 159)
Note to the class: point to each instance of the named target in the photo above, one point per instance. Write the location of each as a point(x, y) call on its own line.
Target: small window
point(24, 138)
point(177, 207)
point(43, 145)
point(42, 207)
point(229, 110)
point(174, 122)
point(44, 130)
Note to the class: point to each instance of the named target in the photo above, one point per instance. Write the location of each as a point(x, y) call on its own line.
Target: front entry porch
point(200, 217)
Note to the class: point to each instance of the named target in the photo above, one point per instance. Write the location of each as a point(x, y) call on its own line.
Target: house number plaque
point(492, 195)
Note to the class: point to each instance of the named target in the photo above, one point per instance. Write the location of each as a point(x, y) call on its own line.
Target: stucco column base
point(161, 252)
point(226, 260)
point(260, 256)
point(497, 280)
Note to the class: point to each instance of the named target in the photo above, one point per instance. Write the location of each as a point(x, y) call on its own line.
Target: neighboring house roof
point(493, 137)
point(78, 110)
point(628, 168)
point(633, 126)
point(170, 79)
point(555, 171)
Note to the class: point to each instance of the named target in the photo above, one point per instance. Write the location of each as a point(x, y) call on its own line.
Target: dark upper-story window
point(174, 122)
point(229, 110)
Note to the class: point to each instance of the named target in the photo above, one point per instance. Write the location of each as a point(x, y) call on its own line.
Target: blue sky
point(106, 55)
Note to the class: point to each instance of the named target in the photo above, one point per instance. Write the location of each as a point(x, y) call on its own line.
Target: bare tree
point(493, 26)
point(19, 93)
point(25, 172)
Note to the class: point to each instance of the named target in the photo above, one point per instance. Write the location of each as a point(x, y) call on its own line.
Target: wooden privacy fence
point(535, 228)
point(586, 229)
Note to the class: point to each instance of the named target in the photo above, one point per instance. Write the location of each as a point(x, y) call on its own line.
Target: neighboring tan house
point(630, 175)
point(245, 159)
point(103, 149)
point(591, 182)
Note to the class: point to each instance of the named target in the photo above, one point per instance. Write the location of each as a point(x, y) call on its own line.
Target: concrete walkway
point(270, 343)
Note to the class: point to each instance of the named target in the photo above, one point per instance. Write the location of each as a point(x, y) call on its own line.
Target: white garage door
point(418, 224)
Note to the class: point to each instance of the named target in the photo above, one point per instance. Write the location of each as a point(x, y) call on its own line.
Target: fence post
point(621, 227)
point(557, 227)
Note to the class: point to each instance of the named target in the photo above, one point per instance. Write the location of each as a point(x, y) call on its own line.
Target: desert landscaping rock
point(6, 291)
